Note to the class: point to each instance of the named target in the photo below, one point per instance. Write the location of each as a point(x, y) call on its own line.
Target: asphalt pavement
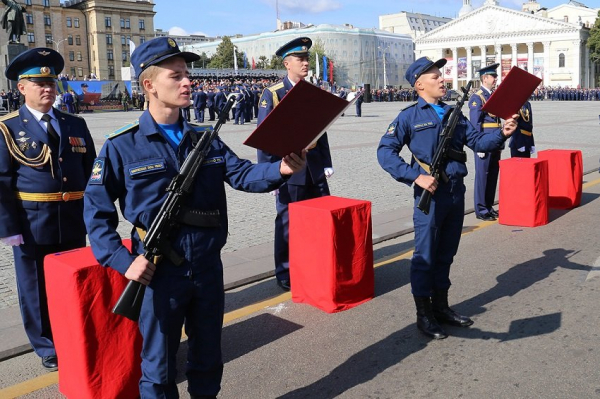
point(287, 349)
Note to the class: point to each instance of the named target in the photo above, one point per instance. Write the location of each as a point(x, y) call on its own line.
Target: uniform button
point(64, 179)
point(59, 159)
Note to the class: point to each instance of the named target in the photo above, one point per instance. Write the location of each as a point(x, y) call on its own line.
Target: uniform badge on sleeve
point(97, 176)
point(474, 104)
point(391, 129)
point(263, 104)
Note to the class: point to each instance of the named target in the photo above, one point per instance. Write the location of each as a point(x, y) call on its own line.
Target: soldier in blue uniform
point(487, 164)
point(310, 182)
point(135, 166)
point(210, 103)
point(521, 143)
point(437, 234)
point(359, 101)
point(46, 159)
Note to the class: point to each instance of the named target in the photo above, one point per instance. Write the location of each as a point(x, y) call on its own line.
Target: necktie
point(54, 137)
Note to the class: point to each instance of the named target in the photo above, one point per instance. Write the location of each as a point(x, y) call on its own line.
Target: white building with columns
point(552, 49)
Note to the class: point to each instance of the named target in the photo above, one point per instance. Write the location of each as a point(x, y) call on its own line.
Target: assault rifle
point(157, 237)
point(440, 157)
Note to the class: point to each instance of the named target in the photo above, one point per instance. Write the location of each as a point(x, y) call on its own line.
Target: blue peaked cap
point(489, 70)
point(39, 64)
point(155, 51)
point(298, 46)
point(420, 66)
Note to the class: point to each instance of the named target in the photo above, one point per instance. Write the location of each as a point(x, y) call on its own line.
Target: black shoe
point(443, 313)
point(426, 322)
point(487, 217)
point(285, 285)
point(50, 363)
point(494, 213)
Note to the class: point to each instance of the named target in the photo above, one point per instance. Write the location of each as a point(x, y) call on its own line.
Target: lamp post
point(57, 43)
point(384, 72)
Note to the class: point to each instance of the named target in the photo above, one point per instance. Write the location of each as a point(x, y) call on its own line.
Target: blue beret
point(489, 70)
point(155, 51)
point(299, 46)
point(420, 66)
point(39, 64)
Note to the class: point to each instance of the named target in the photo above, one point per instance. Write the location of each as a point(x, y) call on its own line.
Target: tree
point(223, 57)
point(318, 50)
point(262, 62)
point(276, 63)
point(204, 60)
point(594, 41)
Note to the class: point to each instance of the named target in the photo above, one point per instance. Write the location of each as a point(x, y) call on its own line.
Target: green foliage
point(318, 49)
point(276, 63)
point(223, 57)
point(594, 41)
point(262, 62)
point(203, 62)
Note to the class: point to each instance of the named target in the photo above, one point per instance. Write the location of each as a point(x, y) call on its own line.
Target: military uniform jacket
point(419, 128)
point(136, 165)
point(68, 170)
point(317, 159)
point(483, 121)
point(523, 136)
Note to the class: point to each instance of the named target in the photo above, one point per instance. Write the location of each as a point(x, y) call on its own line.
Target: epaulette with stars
point(127, 128)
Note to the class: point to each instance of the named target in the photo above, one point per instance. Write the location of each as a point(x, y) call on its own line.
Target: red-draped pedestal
point(331, 253)
point(523, 192)
point(98, 352)
point(565, 176)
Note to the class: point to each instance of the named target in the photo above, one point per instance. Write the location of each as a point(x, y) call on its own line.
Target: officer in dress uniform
point(210, 103)
point(487, 164)
point(135, 166)
point(310, 182)
point(46, 160)
point(437, 234)
point(521, 143)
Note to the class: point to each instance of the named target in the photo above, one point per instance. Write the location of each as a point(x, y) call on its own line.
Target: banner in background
point(462, 68)
point(97, 95)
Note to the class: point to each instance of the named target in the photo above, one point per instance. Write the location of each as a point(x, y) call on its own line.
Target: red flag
point(253, 64)
point(331, 71)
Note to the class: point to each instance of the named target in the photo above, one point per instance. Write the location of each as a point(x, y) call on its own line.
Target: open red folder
point(511, 94)
point(300, 118)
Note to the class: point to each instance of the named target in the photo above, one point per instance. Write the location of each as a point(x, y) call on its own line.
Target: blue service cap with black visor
point(420, 66)
point(157, 50)
point(38, 64)
point(298, 46)
point(489, 70)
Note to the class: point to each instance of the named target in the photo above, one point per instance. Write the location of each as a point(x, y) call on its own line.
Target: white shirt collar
point(38, 115)
point(486, 89)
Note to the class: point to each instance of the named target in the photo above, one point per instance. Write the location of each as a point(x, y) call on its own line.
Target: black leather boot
point(426, 321)
point(444, 314)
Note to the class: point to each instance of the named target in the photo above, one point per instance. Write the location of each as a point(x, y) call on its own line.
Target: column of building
point(498, 49)
point(455, 69)
point(546, 81)
point(469, 64)
point(530, 57)
point(576, 63)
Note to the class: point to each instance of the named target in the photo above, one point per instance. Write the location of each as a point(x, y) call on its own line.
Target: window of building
point(566, 18)
point(49, 39)
point(78, 40)
point(142, 39)
point(69, 22)
point(127, 23)
point(561, 60)
point(46, 3)
point(122, 23)
point(123, 42)
point(79, 56)
point(72, 71)
point(111, 71)
point(107, 22)
point(79, 72)
point(124, 55)
point(128, 39)
point(27, 2)
point(29, 19)
point(47, 20)
point(142, 24)
point(30, 38)
point(76, 22)
point(109, 39)
point(109, 55)
point(71, 56)
point(70, 40)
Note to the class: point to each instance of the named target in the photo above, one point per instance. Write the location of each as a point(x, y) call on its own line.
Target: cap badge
point(44, 53)
point(304, 48)
point(304, 40)
point(45, 70)
point(172, 42)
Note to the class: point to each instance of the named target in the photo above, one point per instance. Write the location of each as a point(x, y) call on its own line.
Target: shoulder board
point(409, 106)
point(479, 91)
point(11, 115)
point(275, 87)
point(122, 130)
point(201, 128)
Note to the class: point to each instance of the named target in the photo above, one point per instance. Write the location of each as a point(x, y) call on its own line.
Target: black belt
point(197, 218)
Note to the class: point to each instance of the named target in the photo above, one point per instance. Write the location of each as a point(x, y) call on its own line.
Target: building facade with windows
point(360, 55)
point(410, 23)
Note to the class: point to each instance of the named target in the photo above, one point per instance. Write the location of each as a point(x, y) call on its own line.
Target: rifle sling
point(165, 250)
point(455, 155)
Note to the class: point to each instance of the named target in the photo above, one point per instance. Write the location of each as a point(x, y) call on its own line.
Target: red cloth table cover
point(565, 177)
point(331, 252)
point(98, 352)
point(523, 192)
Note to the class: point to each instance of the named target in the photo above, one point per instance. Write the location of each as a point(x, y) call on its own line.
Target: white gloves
point(274, 192)
point(328, 172)
point(481, 155)
point(13, 241)
point(532, 149)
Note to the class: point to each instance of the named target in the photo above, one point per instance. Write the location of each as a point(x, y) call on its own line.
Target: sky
point(230, 17)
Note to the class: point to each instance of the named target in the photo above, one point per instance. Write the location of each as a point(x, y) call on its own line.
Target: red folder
point(298, 121)
point(509, 97)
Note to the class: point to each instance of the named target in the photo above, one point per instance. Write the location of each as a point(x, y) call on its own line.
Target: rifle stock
point(129, 303)
point(439, 158)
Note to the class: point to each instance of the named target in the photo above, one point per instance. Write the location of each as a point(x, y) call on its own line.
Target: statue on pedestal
point(13, 20)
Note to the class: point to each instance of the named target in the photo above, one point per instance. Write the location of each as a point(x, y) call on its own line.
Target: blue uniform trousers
point(287, 194)
point(31, 287)
point(238, 116)
point(173, 299)
point(437, 236)
point(358, 109)
point(211, 113)
point(514, 153)
point(486, 180)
